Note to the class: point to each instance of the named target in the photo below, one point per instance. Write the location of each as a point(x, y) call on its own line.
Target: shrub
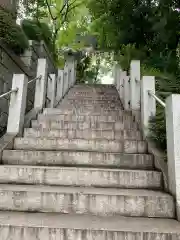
point(38, 31)
point(11, 33)
point(31, 30)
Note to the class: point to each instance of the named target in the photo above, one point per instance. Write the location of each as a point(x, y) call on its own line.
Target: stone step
point(112, 126)
point(83, 111)
point(92, 102)
point(85, 118)
point(126, 146)
point(73, 176)
point(80, 200)
point(83, 134)
point(96, 86)
point(84, 108)
point(48, 226)
point(84, 90)
point(91, 96)
point(50, 158)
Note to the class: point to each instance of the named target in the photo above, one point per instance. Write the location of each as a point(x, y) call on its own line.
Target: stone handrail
point(138, 95)
point(55, 86)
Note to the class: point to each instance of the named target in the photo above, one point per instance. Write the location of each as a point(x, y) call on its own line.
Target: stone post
point(66, 79)
point(17, 104)
point(59, 85)
point(148, 103)
point(27, 55)
point(70, 63)
point(53, 90)
point(115, 74)
point(40, 92)
point(135, 84)
point(122, 77)
point(127, 93)
point(173, 149)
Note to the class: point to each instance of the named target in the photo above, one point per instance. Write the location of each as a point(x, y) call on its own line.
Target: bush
point(11, 33)
point(31, 30)
point(38, 31)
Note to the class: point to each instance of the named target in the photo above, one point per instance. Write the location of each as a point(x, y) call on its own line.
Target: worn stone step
point(84, 105)
point(84, 90)
point(83, 134)
point(91, 102)
point(80, 125)
point(73, 176)
point(91, 96)
point(48, 226)
point(80, 200)
point(116, 160)
point(85, 118)
point(126, 146)
point(83, 111)
point(85, 108)
point(96, 86)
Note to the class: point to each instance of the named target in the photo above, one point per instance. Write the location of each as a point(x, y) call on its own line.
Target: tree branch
point(49, 9)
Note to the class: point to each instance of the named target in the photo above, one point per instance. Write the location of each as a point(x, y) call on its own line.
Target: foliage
point(11, 34)
point(32, 30)
point(88, 70)
point(147, 30)
point(82, 66)
point(38, 31)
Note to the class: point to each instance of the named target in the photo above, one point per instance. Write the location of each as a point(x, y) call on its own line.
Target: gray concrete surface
point(97, 201)
point(76, 176)
point(59, 124)
point(84, 134)
point(126, 146)
point(115, 160)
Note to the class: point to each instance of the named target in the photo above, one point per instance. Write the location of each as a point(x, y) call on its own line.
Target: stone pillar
point(17, 104)
point(135, 84)
point(173, 149)
point(127, 93)
point(60, 85)
point(66, 79)
point(27, 55)
point(70, 63)
point(122, 77)
point(49, 88)
point(53, 90)
point(73, 75)
point(148, 103)
point(41, 84)
point(115, 75)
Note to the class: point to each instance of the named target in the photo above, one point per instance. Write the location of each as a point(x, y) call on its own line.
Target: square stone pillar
point(115, 75)
point(17, 104)
point(127, 93)
point(173, 147)
point(122, 77)
point(66, 79)
point(41, 84)
point(148, 103)
point(135, 76)
point(60, 77)
point(53, 90)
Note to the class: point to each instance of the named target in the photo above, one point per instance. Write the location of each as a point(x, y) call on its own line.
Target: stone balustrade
point(138, 95)
point(51, 87)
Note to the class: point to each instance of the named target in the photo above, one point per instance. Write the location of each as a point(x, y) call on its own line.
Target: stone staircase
point(82, 172)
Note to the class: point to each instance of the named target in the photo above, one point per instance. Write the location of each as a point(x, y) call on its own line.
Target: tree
point(148, 30)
